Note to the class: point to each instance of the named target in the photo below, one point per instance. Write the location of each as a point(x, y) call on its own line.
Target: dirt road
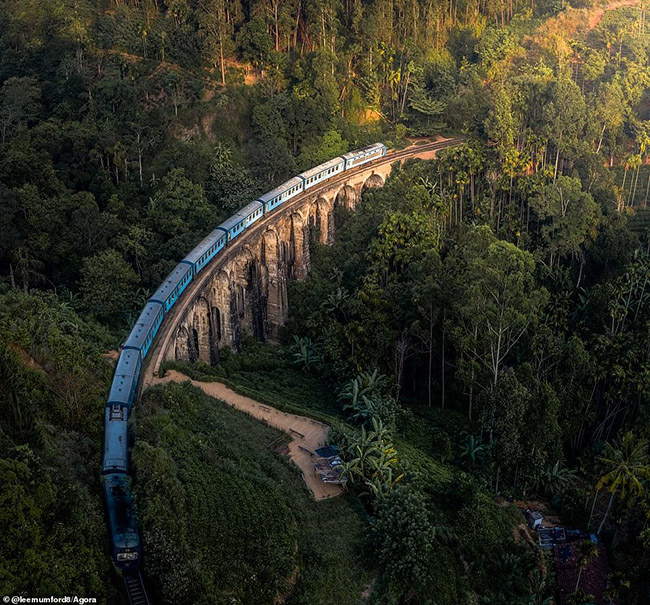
point(305, 432)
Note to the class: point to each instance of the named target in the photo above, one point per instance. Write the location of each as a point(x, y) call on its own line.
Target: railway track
point(135, 589)
point(156, 355)
point(133, 582)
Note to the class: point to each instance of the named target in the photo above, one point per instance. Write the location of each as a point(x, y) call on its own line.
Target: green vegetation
point(52, 388)
point(225, 516)
point(479, 330)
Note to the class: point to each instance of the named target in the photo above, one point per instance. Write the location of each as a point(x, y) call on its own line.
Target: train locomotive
point(125, 539)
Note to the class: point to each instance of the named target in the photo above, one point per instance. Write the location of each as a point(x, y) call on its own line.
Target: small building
point(534, 519)
point(329, 466)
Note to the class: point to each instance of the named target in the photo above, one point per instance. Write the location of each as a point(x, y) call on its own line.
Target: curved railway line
point(144, 350)
point(156, 355)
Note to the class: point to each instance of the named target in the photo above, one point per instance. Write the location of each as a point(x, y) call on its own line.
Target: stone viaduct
point(244, 290)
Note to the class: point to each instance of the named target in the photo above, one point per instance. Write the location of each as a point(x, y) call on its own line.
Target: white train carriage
point(281, 194)
point(315, 175)
point(361, 156)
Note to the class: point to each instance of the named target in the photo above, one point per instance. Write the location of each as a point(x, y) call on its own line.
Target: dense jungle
point(477, 336)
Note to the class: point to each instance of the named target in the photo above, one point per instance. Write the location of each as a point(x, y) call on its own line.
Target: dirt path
point(595, 15)
point(305, 432)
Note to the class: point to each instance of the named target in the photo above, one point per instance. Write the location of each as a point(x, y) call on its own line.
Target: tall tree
point(626, 465)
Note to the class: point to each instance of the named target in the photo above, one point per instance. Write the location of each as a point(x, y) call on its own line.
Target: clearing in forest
point(306, 434)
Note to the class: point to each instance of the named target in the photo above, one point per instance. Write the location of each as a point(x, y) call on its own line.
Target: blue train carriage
point(240, 221)
point(282, 193)
point(361, 156)
point(125, 537)
point(125, 379)
point(173, 286)
point(315, 175)
point(146, 327)
point(207, 249)
point(116, 418)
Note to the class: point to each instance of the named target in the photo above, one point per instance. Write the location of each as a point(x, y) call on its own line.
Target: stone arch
point(193, 345)
point(245, 313)
point(346, 197)
point(374, 180)
point(220, 305)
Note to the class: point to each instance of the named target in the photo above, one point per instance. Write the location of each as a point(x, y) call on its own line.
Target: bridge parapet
point(245, 289)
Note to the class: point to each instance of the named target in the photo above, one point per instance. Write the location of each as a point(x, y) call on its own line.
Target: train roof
point(205, 245)
point(247, 210)
point(321, 167)
point(172, 280)
point(120, 511)
point(126, 372)
point(144, 323)
point(364, 151)
point(128, 363)
point(269, 195)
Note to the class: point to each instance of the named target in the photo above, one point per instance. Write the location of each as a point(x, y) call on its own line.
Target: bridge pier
point(245, 290)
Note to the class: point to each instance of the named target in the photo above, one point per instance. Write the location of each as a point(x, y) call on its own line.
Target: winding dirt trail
point(306, 434)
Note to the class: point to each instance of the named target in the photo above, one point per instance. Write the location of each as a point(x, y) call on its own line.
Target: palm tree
point(626, 466)
point(587, 552)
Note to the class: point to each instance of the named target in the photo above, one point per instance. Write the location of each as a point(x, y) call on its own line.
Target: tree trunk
point(557, 161)
point(593, 505)
point(602, 134)
point(609, 506)
point(222, 61)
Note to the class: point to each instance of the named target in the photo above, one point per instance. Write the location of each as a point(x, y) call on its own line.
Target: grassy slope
point(266, 373)
point(226, 462)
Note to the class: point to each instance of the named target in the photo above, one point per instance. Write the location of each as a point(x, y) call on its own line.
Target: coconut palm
point(587, 552)
point(627, 465)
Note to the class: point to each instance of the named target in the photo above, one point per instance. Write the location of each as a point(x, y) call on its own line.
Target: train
point(124, 535)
